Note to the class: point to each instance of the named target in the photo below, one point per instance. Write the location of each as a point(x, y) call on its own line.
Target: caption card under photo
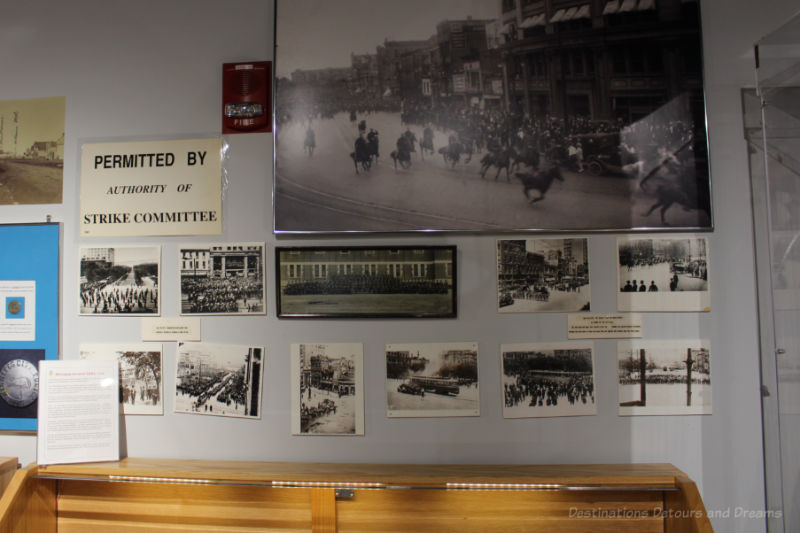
point(78, 411)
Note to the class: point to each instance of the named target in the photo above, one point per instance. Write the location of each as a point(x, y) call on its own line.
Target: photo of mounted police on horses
point(399, 282)
point(489, 115)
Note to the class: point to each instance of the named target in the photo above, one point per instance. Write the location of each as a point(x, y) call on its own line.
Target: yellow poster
point(164, 187)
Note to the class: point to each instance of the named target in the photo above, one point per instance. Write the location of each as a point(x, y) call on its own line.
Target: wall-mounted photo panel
point(222, 279)
point(120, 280)
point(663, 273)
point(548, 379)
point(543, 275)
point(327, 389)
point(432, 379)
point(664, 377)
point(32, 148)
point(140, 382)
point(472, 116)
point(219, 379)
point(363, 282)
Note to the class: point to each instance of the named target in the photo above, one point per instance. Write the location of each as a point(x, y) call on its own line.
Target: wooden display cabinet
point(165, 495)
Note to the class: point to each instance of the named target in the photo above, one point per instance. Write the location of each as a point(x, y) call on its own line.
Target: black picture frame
point(366, 281)
point(526, 83)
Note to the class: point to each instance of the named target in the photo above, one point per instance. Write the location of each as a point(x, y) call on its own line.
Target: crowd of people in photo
point(541, 390)
point(665, 379)
point(222, 295)
point(226, 387)
point(695, 268)
point(365, 284)
point(639, 149)
point(101, 298)
point(146, 394)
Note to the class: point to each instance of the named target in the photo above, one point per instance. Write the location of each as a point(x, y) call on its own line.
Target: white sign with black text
point(166, 187)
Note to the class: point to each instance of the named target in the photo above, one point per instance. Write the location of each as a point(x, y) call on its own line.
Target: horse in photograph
point(453, 151)
point(540, 181)
point(689, 194)
point(403, 153)
point(501, 159)
point(361, 155)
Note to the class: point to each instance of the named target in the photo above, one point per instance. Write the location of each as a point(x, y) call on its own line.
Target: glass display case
point(772, 130)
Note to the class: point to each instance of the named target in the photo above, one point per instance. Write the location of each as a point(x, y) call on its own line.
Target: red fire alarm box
point(247, 97)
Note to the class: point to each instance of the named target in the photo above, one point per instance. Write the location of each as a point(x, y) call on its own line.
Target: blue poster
point(29, 274)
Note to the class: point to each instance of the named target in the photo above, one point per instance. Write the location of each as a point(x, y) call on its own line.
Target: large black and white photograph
point(548, 379)
point(219, 379)
point(120, 280)
point(664, 377)
point(543, 275)
point(489, 115)
point(399, 282)
point(222, 279)
point(432, 379)
point(663, 274)
point(327, 388)
point(140, 382)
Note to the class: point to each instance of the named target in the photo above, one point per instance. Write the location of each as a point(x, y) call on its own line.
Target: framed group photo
point(446, 115)
point(363, 282)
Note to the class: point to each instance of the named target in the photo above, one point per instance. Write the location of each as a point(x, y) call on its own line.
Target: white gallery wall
point(149, 69)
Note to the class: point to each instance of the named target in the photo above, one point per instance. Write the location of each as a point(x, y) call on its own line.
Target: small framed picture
point(363, 282)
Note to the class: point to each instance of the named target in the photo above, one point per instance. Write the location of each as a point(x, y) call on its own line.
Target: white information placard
point(18, 318)
point(78, 411)
point(167, 187)
point(624, 326)
point(171, 329)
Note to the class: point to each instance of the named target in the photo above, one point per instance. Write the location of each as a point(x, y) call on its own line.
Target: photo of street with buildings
point(663, 274)
point(222, 279)
point(489, 115)
point(664, 377)
point(432, 379)
point(121, 280)
point(543, 275)
point(140, 382)
point(219, 379)
point(548, 379)
point(32, 150)
point(327, 389)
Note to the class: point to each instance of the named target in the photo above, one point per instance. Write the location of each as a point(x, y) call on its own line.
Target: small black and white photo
point(489, 115)
point(327, 388)
point(219, 379)
point(363, 282)
point(140, 381)
point(432, 379)
point(664, 377)
point(548, 379)
point(120, 280)
point(543, 275)
point(663, 274)
point(222, 279)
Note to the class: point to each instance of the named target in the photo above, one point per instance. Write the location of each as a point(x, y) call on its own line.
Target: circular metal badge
point(14, 307)
point(19, 383)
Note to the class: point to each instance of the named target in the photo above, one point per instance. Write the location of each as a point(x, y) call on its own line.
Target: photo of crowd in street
point(140, 381)
point(32, 150)
point(405, 281)
point(489, 115)
point(664, 377)
point(219, 379)
point(543, 275)
point(120, 280)
point(548, 379)
point(663, 274)
point(327, 389)
point(432, 379)
point(222, 279)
